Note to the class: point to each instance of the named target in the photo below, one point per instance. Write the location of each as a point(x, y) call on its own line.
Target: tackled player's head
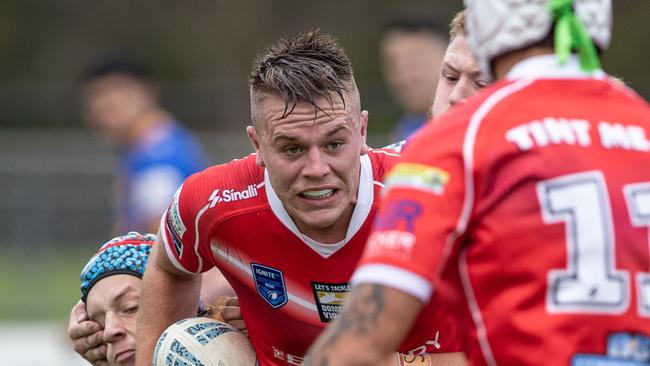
point(110, 288)
point(309, 131)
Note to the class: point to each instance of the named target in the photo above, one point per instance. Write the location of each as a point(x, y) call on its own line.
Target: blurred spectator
point(411, 54)
point(121, 103)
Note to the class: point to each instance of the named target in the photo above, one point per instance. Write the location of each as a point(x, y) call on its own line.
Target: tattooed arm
point(374, 321)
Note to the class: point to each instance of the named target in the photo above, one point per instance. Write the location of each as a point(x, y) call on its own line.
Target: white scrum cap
point(496, 27)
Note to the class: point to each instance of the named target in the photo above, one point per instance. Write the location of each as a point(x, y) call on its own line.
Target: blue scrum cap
point(126, 254)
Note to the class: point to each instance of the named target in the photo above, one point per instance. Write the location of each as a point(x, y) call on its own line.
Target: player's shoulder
point(383, 159)
point(632, 97)
point(237, 180)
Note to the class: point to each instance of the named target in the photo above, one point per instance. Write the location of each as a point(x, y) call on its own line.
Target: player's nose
point(114, 328)
point(461, 91)
point(316, 164)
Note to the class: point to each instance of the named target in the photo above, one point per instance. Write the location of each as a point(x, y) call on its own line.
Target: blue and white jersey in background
point(151, 169)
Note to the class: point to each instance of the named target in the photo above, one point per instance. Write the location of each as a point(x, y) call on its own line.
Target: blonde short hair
point(457, 26)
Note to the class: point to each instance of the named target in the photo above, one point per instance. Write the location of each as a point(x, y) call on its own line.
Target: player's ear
point(363, 129)
point(255, 140)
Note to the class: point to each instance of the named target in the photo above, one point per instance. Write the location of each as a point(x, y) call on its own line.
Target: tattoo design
point(404, 360)
point(359, 318)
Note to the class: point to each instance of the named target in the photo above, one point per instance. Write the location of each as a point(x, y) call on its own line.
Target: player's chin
point(323, 218)
point(126, 358)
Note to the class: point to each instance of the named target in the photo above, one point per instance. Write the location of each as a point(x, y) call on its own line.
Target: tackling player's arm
point(353, 337)
point(168, 295)
point(374, 321)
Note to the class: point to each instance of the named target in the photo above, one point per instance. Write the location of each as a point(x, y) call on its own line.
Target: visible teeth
point(323, 193)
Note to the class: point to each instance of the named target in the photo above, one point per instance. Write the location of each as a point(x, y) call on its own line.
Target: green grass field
point(40, 285)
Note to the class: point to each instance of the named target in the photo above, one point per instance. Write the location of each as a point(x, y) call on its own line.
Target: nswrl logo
point(269, 283)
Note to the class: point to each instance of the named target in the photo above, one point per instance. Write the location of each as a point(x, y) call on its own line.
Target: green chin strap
point(571, 34)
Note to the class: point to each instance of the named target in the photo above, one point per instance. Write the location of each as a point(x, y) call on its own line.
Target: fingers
point(232, 301)
point(84, 344)
point(83, 329)
point(96, 356)
point(87, 336)
point(227, 310)
point(237, 324)
point(230, 313)
point(78, 313)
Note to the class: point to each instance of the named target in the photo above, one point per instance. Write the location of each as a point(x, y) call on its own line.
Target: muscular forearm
point(165, 299)
point(373, 323)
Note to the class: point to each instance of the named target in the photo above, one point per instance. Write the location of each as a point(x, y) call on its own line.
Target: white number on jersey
point(591, 282)
point(638, 203)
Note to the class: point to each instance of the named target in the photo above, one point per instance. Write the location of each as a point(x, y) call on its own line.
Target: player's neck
point(505, 63)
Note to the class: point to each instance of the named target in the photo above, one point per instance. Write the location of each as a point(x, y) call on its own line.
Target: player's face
point(410, 64)
point(459, 77)
point(113, 303)
point(114, 103)
point(312, 161)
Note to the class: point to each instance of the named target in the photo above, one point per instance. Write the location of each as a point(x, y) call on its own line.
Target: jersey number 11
point(591, 283)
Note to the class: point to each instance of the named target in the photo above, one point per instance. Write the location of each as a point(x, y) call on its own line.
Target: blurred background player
point(411, 53)
point(102, 325)
point(460, 76)
point(556, 151)
point(121, 103)
point(288, 224)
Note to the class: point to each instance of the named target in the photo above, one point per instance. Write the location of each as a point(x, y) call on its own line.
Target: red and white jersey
point(289, 286)
point(528, 209)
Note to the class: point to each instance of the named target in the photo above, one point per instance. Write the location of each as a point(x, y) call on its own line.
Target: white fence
point(30, 343)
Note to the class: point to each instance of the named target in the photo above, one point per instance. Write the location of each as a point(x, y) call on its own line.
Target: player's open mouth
point(317, 194)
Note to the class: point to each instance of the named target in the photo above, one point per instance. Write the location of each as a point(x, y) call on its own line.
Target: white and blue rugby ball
point(203, 342)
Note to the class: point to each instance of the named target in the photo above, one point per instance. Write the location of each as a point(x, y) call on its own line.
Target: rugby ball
point(203, 341)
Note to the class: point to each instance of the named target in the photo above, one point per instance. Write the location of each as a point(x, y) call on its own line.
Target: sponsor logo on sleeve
point(174, 215)
point(270, 285)
point(329, 299)
point(393, 241)
point(174, 223)
point(622, 349)
point(394, 228)
point(418, 176)
point(399, 214)
point(176, 241)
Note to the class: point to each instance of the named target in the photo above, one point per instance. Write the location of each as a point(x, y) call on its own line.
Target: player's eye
point(451, 79)
point(480, 84)
point(130, 309)
point(293, 150)
point(334, 145)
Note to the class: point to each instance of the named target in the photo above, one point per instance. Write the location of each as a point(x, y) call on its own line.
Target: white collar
point(365, 197)
point(548, 67)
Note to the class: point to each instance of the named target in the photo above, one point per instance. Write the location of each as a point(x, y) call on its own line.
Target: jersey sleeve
point(416, 228)
point(184, 233)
